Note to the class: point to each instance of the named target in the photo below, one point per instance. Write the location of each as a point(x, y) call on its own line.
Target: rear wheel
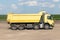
point(13, 26)
point(21, 27)
point(36, 27)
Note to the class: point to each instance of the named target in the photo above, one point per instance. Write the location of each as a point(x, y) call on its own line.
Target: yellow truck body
point(39, 18)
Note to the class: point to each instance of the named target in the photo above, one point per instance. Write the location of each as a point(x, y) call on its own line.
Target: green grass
point(3, 17)
point(56, 17)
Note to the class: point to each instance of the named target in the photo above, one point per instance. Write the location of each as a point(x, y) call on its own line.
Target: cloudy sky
point(29, 6)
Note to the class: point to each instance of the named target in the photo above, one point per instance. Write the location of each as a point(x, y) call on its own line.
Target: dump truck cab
point(49, 19)
point(35, 21)
point(46, 20)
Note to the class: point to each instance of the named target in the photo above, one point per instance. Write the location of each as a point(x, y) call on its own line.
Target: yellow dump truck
point(35, 21)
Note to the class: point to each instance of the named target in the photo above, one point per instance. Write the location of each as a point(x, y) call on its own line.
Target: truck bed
point(23, 18)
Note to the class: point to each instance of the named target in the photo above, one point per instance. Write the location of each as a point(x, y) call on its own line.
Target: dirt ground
point(7, 34)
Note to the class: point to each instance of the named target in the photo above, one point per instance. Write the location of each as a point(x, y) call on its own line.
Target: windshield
point(50, 17)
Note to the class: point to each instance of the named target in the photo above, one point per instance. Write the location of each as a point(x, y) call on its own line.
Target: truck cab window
point(49, 17)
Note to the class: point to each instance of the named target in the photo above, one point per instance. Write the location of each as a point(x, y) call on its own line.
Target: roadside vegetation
point(3, 17)
point(56, 17)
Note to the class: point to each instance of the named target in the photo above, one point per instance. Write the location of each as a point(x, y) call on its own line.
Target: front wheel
point(46, 26)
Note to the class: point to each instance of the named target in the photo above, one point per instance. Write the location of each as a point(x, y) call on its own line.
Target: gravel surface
point(7, 34)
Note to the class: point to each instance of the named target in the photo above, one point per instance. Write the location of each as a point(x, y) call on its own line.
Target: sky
point(29, 6)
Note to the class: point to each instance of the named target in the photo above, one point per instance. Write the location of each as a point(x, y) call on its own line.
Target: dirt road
point(7, 34)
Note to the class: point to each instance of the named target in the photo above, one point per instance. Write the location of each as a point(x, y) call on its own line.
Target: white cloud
point(1, 7)
point(21, 3)
point(14, 6)
point(19, 0)
point(43, 4)
point(29, 3)
point(32, 3)
point(35, 3)
point(56, 0)
point(46, 4)
point(52, 5)
point(59, 6)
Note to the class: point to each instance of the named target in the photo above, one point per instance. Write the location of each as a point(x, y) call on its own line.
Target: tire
point(21, 27)
point(13, 26)
point(36, 27)
point(46, 26)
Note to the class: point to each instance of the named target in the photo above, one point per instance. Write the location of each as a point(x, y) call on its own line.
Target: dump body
point(24, 18)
